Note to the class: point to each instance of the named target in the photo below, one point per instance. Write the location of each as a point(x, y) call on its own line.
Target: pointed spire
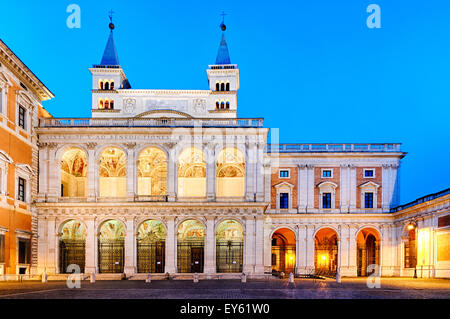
point(110, 56)
point(223, 56)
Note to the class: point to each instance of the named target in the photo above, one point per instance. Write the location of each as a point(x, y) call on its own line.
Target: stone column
point(54, 186)
point(344, 251)
point(130, 247)
point(302, 188)
point(170, 265)
point(171, 177)
point(42, 245)
point(250, 189)
point(210, 247)
point(52, 245)
point(352, 187)
point(43, 174)
point(91, 245)
point(249, 252)
point(310, 243)
point(267, 245)
point(91, 186)
point(131, 171)
point(259, 245)
point(211, 175)
point(310, 188)
point(344, 188)
point(259, 173)
point(301, 250)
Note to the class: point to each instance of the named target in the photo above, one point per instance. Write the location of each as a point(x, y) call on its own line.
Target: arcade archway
point(283, 251)
point(151, 244)
point(72, 246)
point(326, 252)
point(190, 246)
point(229, 246)
point(368, 245)
point(111, 247)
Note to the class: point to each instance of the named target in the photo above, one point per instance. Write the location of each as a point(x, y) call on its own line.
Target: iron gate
point(150, 257)
point(367, 256)
point(229, 256)
point(111, 256)
point(190, 256)
point(283, 259)
point(71, 252)
point(326, 260)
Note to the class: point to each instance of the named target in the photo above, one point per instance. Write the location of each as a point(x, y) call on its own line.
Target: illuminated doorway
point(283, 251)
point(368, 245)
point(326, 252)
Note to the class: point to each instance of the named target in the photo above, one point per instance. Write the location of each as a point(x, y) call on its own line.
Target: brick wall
point(319, 179)
point(275, 179)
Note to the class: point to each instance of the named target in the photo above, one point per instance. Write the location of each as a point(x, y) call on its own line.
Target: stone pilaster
point(210, 247)
point(130, 247)
point(170, 263)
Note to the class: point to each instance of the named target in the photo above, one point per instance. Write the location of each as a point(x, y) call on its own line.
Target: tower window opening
point(100, 104)
point(217, 104)
point(222, 86)
point(228, 105)
point(100, 85)
point(222, 105)
point(106, 85)
point(227, 86)
point(111, 105)
point(217, 86)
point(112, 85)
point(106, 104)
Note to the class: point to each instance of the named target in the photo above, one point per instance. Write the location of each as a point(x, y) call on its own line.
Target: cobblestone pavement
point(354, 288)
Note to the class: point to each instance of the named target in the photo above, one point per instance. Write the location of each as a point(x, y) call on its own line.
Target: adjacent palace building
point(172, 182)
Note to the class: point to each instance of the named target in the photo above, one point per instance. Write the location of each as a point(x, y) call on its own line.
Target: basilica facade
point(172, 182)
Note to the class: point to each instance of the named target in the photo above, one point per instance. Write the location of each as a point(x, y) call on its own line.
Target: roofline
point(47, 94)
point(421, 200)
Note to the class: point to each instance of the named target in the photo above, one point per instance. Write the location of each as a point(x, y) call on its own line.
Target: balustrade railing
point(149, 122)
point(333, 147)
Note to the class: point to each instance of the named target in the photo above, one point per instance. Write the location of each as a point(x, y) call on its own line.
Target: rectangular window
point(326, 173)
point(284, 200)
point(326, 200)
point(24, 250)
point(368, 198)
point(2, 248)
point(21, 189)
point(21, 116)
point(284, 174)
point(368, 173)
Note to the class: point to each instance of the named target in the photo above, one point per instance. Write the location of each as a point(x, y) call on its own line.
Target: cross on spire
point(111, 12)
point(223, 16)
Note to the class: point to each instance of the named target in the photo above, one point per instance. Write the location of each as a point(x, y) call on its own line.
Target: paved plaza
point(350, 288)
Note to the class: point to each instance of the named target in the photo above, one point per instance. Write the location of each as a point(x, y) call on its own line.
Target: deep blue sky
point(311, 68)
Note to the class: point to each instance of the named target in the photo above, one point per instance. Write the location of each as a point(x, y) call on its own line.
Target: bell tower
point(108, 79)
point(223, 77)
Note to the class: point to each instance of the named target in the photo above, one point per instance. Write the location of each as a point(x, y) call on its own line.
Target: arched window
point(106, 85)
point(106, 104)
point(192, 173)
point(112, 85)
point(228, 86)
point(217, 86)
point(217, 104)
point(113, 172)
point(111, 105)
point(100, 104)
point(100, 85)
point(152, 172)
point(228, 105)
point(222, 86)
point(230, 173)
point(73, 173)
point(222, 105)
